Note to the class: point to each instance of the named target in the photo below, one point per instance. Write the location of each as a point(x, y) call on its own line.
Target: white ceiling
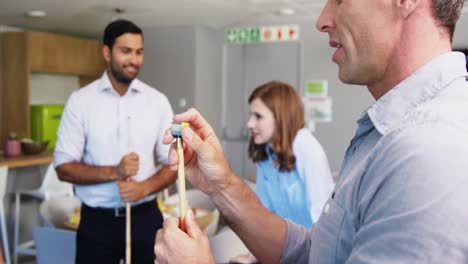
point(89, 17)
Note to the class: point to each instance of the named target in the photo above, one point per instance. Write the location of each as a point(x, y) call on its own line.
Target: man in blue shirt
point(108, 140)
point(402, 188)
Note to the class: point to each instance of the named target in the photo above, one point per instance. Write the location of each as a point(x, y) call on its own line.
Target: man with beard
point(108, 140)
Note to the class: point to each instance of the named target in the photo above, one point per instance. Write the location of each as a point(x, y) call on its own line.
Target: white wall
point(184, 62)
point(208, 75)
point(169, 64)
point(48, 88)
point(460, 38)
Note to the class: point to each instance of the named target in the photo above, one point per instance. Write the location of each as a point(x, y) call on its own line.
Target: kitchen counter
point(27, 160)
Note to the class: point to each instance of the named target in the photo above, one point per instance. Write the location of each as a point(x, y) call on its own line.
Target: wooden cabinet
point(23, 53)
point(62, 54)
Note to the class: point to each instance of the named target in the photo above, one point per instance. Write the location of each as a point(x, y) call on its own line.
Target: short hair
point(117, 28)
point(288, 111)
point(447, 13)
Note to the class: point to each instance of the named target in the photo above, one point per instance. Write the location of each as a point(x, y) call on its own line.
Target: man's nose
point(326, 19)
point(134, 58)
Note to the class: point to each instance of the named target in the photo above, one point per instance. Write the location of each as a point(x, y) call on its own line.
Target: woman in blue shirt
point(293, 175)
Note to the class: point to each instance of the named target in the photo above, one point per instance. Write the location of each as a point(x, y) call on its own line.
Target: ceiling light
point(36, 13)
point(286, 11)
point(119, 10)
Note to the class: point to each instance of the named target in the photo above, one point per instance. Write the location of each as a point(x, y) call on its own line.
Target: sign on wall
point(262, 34)
point(317, 103)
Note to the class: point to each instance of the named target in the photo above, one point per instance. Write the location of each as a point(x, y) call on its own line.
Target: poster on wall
point(317, 103)
point(316, 88)
point(318, 109)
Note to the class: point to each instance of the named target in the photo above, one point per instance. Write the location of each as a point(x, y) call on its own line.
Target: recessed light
point(36, 13)
point(119, 10)
point(286, 11)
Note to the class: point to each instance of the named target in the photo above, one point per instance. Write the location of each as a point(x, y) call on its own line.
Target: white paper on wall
point(318, 109)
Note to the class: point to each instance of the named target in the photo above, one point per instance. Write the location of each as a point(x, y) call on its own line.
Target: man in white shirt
point(109, 141)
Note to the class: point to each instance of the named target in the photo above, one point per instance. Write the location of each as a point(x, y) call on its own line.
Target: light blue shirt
point(402, 192)
point(98, 127)
point(299, 194)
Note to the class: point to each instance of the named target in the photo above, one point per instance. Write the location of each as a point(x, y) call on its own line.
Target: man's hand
point(128, 166)
point(207, 169)
point(205, 165)
point(175, 246)
point(131, 191)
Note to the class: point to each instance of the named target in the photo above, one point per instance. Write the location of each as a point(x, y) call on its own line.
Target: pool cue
point(128, 214)
point(176, 131)
point(181, 183)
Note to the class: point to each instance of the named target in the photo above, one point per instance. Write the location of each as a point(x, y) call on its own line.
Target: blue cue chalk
point(176, 128)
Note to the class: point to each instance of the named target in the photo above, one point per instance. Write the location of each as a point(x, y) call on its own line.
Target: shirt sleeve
point(70, 134)
point(297, 246)
point(162, 150)
point(313, 168)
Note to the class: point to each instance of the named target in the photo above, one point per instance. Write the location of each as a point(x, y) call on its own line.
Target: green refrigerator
point(45, 120)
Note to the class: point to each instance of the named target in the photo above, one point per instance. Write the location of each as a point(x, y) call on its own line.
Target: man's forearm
point(79, 173)
point(250, 219)
point(159, 181)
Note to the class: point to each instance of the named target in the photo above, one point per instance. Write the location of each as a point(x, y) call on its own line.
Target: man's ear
point(406, 7)
point(106, 53)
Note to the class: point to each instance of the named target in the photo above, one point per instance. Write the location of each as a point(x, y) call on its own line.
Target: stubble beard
point(120, 76)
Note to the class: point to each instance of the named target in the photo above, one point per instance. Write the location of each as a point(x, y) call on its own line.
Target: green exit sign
point(262, 34)
point(242, 35)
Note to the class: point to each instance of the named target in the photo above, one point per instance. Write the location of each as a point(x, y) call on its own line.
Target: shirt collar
point(270, 153)
point(106, 85)
point(387, 112)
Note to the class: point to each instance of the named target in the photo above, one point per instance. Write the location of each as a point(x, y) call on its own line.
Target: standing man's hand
point(132, 191)
point(205, 164)
point(128, 166)
point(175, 246)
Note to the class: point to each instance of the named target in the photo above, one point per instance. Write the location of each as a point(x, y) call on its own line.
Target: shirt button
point(326, 208)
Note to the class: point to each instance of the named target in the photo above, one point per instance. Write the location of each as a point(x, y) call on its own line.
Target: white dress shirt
point(98, 127)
